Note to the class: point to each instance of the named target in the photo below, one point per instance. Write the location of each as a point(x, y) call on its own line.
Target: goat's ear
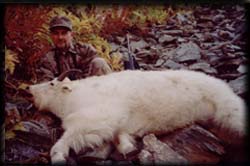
point(66, 88)
point(66, 79)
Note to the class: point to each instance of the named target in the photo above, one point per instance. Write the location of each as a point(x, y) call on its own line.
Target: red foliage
point(116, 22)
point(22, 23)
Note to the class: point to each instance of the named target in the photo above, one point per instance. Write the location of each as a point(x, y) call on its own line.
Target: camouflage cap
point(60, 21)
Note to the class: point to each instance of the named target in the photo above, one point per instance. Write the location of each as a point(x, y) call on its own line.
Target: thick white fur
point(130, 104)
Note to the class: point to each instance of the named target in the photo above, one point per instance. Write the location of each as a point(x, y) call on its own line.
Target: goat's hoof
point(126, 148)
point(58, 159)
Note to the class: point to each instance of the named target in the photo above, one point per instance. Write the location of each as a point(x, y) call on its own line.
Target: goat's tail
point(230, 116)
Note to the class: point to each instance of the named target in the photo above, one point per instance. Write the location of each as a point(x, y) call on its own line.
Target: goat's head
point(45, 94)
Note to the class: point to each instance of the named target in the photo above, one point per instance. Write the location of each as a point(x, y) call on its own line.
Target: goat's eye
point(52, 84)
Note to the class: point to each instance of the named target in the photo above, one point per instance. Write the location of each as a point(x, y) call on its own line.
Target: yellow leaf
point(23, 86)
point(9, 134)
point(11, 59)
point(116, 61)
point(19, 126)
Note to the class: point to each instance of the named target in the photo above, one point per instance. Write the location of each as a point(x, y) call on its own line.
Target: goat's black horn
point(66, 73)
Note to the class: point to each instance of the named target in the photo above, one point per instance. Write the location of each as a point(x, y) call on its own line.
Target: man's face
point(61, 37)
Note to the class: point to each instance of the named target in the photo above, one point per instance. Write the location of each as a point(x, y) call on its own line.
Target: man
point(67, 55)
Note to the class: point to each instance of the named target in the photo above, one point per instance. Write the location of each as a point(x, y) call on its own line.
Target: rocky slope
point(209, 39)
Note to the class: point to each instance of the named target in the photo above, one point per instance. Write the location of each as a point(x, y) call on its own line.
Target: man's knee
point(98, 62)
point(99, 67)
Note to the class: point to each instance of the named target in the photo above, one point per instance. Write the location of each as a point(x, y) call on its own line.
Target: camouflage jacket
point(55, 62)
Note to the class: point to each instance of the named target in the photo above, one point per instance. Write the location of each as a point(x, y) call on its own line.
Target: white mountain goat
point(125, 105)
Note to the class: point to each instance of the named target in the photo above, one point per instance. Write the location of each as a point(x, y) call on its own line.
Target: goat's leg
point(60, 150)
point(101, 152)
point(126, 143)
point(77, 141)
